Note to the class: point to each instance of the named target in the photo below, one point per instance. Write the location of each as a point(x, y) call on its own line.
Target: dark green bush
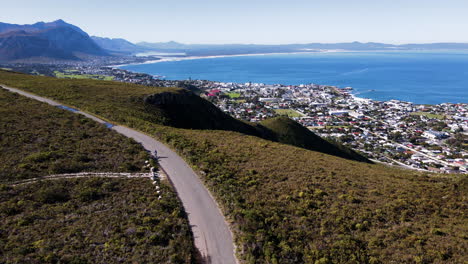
point(104, 220)
point(90, 194)
point(52, 194)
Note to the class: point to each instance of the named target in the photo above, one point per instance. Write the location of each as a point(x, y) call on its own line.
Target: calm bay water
point(419, 77)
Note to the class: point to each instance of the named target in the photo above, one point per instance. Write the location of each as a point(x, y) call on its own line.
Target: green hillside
point(85, 220)
point(288, 204)
point(176, 107)
point(37, 139)
point(94, 220)
point(290, 132)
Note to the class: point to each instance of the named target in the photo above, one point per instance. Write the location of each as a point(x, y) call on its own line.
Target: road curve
point(212, 235)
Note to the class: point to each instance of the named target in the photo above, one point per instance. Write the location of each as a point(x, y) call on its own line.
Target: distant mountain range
point(218, 49)
point(119, 45)
point(56, 40)
point(59, 41)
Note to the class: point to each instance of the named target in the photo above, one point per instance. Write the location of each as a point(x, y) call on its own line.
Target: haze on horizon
point(254, 21)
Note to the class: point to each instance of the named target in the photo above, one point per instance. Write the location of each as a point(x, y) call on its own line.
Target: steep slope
point(290, 132)
point(166, 106)
point(22, 45)
point(57, 40)
point(186, 110)
point(70, 40)
point(118, 45)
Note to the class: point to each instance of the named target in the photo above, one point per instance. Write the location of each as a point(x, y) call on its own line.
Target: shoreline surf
point(381, 80)
point(170, 59)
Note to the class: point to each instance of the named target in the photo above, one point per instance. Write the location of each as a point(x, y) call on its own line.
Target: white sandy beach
point(167, 59)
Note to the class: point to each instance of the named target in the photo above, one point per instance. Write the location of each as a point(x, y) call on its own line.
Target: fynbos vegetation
point(94, 220)
point(288, 204)
point(83, 220)
point(38, 139)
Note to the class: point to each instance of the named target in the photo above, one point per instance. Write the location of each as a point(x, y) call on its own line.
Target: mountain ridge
point(44, 40)
point(233, 49)
point(118, 45)
point(354, 44)
point(5, 27)
point(56, 40)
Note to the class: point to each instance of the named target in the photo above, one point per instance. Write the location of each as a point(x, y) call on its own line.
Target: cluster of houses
point(424, 137)
point(398, 132)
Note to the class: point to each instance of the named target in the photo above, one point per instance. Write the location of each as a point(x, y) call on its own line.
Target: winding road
point(212, 235)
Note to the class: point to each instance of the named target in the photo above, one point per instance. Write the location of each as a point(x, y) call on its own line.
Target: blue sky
point(254, 21)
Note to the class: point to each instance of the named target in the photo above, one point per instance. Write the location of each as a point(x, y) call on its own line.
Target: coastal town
point(421, 137)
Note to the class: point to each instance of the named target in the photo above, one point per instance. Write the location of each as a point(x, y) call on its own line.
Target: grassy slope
point(428, 115)
point(37, 139)
point(184, 109)
point(94, 220)
point(290, 132)
point(123, 102)
point(290, 205)
point(80, 220)
point(101, 97)
point(288, 112)
point(70, 75)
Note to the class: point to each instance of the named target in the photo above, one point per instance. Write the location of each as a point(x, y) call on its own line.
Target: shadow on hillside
point(184, 109)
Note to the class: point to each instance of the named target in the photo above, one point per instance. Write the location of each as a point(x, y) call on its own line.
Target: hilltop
point(287, 204)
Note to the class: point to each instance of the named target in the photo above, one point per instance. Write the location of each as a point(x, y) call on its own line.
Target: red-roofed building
point(214, 92)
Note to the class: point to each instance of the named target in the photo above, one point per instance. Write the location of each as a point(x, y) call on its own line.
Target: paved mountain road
point(212, 235)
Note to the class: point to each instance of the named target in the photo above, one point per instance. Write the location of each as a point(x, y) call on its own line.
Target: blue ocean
point(422, 77)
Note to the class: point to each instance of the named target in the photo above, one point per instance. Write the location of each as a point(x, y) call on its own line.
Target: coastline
point(358, 95)
point(168, 59)
point(304, 51)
